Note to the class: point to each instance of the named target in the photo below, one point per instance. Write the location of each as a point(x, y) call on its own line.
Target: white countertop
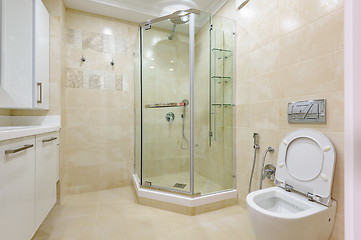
point(10, 132)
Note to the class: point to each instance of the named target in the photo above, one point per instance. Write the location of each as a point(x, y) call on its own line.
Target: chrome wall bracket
point(147, 26)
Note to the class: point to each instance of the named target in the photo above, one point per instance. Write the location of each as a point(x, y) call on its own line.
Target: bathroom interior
point(180, 119)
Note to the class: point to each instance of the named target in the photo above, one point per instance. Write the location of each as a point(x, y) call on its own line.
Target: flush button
point(310, 111)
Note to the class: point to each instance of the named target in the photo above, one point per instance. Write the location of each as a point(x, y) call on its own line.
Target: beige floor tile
point(114, 214)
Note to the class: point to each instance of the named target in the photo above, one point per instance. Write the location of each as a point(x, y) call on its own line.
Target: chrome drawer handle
point(49, 140)
point(40, 86)
point(19, 149)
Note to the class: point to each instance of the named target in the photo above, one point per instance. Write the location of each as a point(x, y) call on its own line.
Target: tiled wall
point(98, 122)
point(287, 51)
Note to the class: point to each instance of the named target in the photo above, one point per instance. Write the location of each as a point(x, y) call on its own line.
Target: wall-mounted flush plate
point(311, 111)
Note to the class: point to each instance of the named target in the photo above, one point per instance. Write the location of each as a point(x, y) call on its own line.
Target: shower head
point(178, 20)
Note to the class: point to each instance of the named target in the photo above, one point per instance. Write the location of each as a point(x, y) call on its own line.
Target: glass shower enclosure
point(184, 103)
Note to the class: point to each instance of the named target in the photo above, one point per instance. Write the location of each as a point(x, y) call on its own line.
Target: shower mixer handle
point(169, 117)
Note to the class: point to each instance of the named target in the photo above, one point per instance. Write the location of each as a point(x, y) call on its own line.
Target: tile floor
point(201, 183)
point(114, 214)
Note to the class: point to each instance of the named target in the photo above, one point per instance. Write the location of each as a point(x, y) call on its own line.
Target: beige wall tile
point(298, 13)
point(98, 112)
point(287, 51)
point(313, 40)
point(318, 75)
point(265, 87)
point(270, 52)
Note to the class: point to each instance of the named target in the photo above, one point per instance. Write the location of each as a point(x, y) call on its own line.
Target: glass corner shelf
point(221, 50)
point(223, 104)
point(220, 77)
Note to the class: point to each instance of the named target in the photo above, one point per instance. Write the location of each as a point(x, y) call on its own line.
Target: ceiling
point(142, 10)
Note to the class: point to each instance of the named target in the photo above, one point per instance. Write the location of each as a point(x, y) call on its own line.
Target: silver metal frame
point(141, 102)
point(143, 25)
point(234, 106)
point(148, 23)
point(191, 102)
point(176, 14)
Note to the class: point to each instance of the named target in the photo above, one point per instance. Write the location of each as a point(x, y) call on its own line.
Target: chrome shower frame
point(176, 14)
point(143, 27)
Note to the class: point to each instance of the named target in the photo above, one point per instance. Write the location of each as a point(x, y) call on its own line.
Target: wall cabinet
point(29, 170)
point(24, 70)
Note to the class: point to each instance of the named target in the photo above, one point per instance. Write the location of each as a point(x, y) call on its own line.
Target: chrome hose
point(269, 149)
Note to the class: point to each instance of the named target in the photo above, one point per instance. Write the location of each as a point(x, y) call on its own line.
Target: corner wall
point(97, 119)
point(287, 51)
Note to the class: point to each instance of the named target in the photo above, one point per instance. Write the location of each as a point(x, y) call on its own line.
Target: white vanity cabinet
point(17, 188)
point(29, 171)
point(47, 173)
point(24, 70)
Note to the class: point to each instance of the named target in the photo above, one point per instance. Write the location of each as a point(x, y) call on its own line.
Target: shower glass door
point(165, 105)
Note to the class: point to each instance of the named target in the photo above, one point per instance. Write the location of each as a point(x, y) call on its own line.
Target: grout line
point(336, 50)
point(291, 97)
point(289, 33)
point(315, 20)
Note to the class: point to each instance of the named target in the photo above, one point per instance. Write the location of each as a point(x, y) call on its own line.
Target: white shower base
point(182, 200)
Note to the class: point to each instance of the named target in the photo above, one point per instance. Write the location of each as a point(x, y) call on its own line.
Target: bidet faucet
point(269, 172)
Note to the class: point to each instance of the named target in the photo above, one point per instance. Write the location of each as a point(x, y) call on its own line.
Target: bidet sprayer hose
point(255, 146)
point(269, 149)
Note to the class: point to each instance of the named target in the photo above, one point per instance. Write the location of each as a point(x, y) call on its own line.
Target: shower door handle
point(163, 105)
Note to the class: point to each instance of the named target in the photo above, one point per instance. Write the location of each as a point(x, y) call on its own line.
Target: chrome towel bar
point(163, 105)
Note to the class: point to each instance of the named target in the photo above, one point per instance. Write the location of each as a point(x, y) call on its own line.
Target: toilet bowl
point(300, 206)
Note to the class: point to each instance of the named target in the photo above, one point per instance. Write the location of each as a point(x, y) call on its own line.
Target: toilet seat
point(305, 163)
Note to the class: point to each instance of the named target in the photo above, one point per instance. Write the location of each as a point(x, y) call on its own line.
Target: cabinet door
point(41, 67)
point(47, 173)
point(16, 83)
point(17, 189)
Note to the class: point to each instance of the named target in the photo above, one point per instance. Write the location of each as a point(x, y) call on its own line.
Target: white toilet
point(300, 206)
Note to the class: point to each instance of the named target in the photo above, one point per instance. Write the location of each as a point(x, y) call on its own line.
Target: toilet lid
point(306, 160)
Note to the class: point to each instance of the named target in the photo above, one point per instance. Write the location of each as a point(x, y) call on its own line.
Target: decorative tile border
point(103, 43)
point(74, 78)
point(79, 78)
point(74, 38)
